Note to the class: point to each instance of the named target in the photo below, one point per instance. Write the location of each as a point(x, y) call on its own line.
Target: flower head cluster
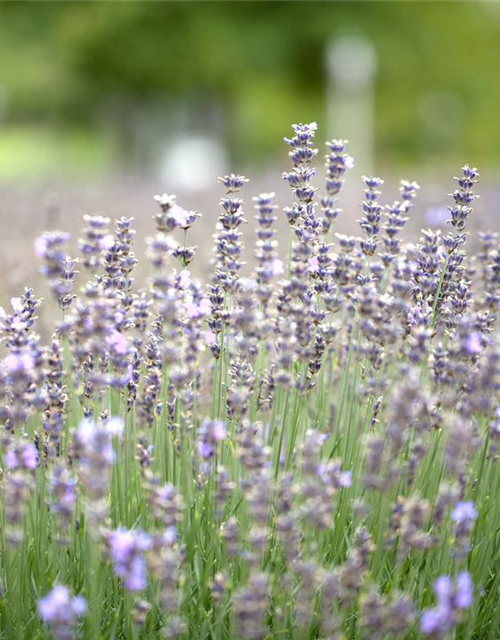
point(126, 549)
point(396, 218)
point(452, 598)
point(94, 454)
point(228, 246)
point(463, 515)
point(464, 197)
point(58, 267)
point(337, 163)
point(211, 434)
point(60, 611)
point(302, 153)
point(372, 214)
point(173, 216)
point(269, 265)
point(23, 456)
point(96, 239)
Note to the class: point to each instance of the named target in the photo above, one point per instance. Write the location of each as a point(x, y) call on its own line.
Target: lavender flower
point(269, 264)
point(397, 216)
point(452, 598)
point(337, 163)
point(58, 267)
point(464, 515)
point(463, 511)
point(228, 246)
point(233, 183)
point(126, 549)
point(250, 608)
point(93, 451)
point(173, 216)
point(24, 456)
point(96, 239)
point(372, 214)
point(63, 494)
point(60, 611)
point(464, 196)
point(210, 435)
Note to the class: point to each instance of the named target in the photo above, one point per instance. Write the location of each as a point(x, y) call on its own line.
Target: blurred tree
point(265, 62)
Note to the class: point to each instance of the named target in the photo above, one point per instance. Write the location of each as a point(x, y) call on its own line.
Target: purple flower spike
point(451, 599)
point(464, 511)
point(435, 621)
point(59, 610)
point(464, 591)
point(473, 343)
point(345, 479)
point(211, 433)
point(10, 460)
point(29, 456)
point(126, 549)
point(443, 590)
point(119, 343)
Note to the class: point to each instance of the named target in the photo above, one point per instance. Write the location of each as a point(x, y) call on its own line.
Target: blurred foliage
point(264, 61)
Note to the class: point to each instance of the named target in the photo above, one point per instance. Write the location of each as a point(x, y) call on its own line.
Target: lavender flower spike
point(126, 549)
point(451, 600)
point(60, 611)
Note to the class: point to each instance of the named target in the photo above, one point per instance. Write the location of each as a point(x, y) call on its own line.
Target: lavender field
point(299, 444)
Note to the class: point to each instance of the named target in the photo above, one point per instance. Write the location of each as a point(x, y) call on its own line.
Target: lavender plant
point(304, 450)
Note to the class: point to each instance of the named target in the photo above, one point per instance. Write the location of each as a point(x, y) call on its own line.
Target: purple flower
point(233, 182)
point(277, 267)
point(205, 449)
point(118, 343)
point(463, 591)
point(17, 305)
point(211, 433)
point(443, 590)
point(94, 443)
point(473, 343)
point(10, 460)
point(210, 337)
point(179, 215)
point(40, 246)
point(115, 426)
point(24, 455)
point(345, 479)
point(313, 264)
point(303, 134)
point(63, 493)
point(451, 598)
point(464, 511)
point(197, 309)
point(106, 242)
point(219, 430)
point(126, 550)
point(331, 473)
point(29, 456)
point(185, 279)
point(59, 610)
point(50, 242)
point(18, 363)
point(434, 621)
point(165, 201)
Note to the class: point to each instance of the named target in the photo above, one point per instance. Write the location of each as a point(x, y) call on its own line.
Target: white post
point(351, 64)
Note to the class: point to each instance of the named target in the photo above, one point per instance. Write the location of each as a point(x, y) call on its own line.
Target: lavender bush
point(309, 450)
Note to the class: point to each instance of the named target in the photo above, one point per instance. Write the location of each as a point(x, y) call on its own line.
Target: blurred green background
point(88, 88)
